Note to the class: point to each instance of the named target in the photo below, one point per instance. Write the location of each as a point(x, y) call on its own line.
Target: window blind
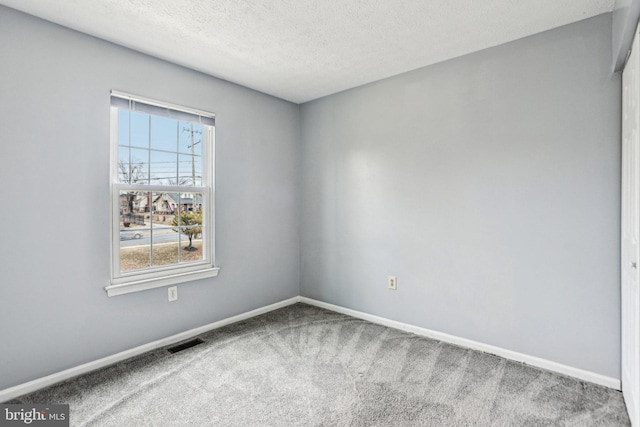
point(133, 103)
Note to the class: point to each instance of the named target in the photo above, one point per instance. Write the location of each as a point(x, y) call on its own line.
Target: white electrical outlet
point(173, 293)
point(393, 282)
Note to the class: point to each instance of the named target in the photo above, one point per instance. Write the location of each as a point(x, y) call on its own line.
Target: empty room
point(306, 213)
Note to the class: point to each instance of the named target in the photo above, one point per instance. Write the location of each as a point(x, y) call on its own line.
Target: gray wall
point(54, 170)
point(625, 20)
point(489, 184)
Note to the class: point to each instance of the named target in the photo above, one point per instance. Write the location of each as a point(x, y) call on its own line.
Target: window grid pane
point(139, 133)
point(160, 228)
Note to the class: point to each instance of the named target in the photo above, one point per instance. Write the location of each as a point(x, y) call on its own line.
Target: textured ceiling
point(300, 50)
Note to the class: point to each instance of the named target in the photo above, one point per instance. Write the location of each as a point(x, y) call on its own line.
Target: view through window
point(161, 185)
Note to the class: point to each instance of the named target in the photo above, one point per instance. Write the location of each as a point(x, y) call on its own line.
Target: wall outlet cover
point(173, 293)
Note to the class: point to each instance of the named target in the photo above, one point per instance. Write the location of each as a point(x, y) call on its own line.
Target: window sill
point(142, 285)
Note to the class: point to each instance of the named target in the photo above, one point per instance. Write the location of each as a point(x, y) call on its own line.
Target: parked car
point(130, 234)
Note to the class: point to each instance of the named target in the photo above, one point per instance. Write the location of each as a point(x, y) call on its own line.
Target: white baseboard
point(19, 390)
point(610, 382)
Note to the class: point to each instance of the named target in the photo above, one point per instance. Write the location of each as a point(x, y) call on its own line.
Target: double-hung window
point(162, 171)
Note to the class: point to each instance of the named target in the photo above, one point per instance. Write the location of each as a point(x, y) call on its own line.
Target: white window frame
point(153, 277)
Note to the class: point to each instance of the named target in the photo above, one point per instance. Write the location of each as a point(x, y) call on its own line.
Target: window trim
point(127, 282)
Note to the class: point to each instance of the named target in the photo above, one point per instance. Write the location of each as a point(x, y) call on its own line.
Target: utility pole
point(193, 151)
